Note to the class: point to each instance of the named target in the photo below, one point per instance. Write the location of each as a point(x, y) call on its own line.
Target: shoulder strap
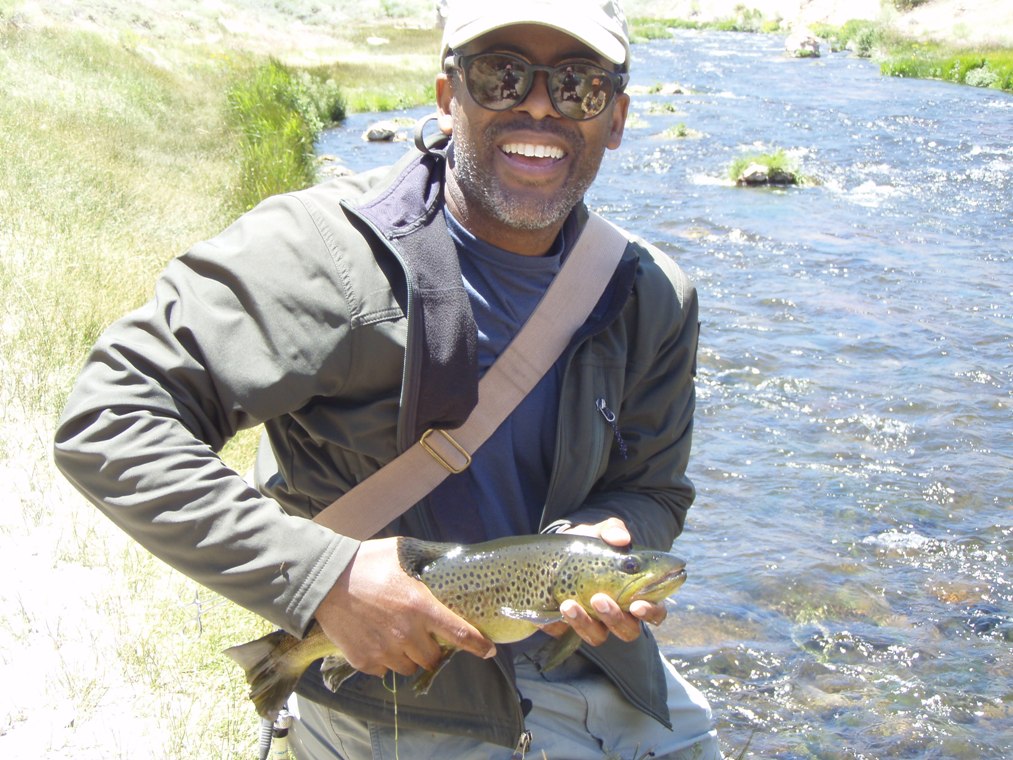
point(407, 479)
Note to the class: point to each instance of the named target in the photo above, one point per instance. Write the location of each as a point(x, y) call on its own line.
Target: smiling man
point(352, 317)
point(519, 166)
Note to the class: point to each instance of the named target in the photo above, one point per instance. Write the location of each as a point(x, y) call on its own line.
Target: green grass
point(743, 19)
point(976, 67)
point(861, 36)
point(112, 164)
point(120, 151)
point(384, 86)
point(901, 57)
point(279, 114)
point(109, 165)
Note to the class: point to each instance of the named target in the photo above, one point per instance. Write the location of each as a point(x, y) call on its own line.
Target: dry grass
point(110, 166)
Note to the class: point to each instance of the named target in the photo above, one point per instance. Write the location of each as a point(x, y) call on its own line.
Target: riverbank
point(303, 32)
point(381, 53)
point(962, 23)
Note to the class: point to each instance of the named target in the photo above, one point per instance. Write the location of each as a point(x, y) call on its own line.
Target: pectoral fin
point(335, 670)
point(535, 617)
point(422, 682)
point(555, 652)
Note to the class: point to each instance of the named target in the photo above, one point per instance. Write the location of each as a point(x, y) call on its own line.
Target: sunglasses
point(500, 81)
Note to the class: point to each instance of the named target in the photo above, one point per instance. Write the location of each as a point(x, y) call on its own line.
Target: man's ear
point(444, 96)
point(620, 109)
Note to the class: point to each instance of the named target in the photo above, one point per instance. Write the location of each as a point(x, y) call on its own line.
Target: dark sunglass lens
point(581, 92)
point(497, 82)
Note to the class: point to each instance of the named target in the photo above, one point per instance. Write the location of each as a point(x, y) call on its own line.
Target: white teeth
point(533, 151)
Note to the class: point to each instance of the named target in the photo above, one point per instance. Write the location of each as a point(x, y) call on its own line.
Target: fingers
point(612, 531)
point(458, 632)
point(610, 618)
point(590, 630)
point(654, 614)
point(383, 619)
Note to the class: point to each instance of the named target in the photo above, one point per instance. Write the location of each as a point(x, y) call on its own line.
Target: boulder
point(758, 174)
point(381, 131)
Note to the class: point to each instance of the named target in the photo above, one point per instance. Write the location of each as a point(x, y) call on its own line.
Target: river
point(849, 549)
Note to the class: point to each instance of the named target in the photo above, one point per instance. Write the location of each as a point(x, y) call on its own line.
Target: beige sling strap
point(406, 480)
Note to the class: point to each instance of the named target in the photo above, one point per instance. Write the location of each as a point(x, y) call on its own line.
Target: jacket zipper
point(611, 419)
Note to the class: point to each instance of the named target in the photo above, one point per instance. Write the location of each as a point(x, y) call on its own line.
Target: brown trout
point(506, 588)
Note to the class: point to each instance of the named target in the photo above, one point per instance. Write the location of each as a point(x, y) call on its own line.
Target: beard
point(472, 162)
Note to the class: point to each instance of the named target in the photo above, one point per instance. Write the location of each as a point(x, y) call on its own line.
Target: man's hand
point(382, 619)
point(611, 619)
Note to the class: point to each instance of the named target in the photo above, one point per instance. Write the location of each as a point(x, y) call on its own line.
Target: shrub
point(279, 114)
point(982, 76)
point(979, 68)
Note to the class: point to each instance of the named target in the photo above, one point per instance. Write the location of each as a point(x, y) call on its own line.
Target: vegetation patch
point(112, 164)
point(777, 168)
point(978, 68)
point(898, 56)
point(743, 19)
point(279, 114)
point(901, 57)
point(681, 132)
point(864, 38)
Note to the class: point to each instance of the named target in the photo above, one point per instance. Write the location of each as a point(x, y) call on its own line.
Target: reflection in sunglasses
point(500, 81)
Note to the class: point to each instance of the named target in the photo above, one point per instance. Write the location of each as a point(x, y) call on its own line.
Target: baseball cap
point(599, 24)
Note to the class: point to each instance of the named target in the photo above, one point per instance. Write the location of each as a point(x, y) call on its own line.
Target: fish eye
point(631, 565)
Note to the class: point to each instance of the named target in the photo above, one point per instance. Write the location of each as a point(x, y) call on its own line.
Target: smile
point(533, 151)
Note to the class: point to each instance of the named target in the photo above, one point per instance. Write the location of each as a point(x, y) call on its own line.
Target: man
point(350, 318)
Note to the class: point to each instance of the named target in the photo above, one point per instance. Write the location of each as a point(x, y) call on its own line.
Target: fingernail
point(600, 605)
point(490, 654)
point(570, 611)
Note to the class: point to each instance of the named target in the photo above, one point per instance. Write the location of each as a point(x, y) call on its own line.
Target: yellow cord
point(393, 690)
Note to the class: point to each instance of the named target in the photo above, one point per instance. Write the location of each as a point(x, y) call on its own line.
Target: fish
point(507, 588)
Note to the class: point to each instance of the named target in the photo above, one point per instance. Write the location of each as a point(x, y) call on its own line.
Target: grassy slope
point(111, 165)
point(120, 149)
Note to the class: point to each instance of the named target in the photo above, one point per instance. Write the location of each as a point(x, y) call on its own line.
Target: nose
point(538, 104)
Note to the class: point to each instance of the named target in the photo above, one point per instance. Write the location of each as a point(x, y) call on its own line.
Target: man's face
point(515, 175)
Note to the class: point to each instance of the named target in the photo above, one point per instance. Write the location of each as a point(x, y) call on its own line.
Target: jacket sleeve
point(648, 488)
point(241, 329)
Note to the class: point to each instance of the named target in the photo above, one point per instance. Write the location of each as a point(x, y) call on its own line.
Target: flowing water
point(849, 550)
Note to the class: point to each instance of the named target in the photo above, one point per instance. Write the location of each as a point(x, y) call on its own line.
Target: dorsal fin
point(414, 554)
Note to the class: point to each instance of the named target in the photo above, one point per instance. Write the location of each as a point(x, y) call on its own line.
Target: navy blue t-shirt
point(503, 492)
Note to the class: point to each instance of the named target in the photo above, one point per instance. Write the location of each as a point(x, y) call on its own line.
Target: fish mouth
point(670, 581)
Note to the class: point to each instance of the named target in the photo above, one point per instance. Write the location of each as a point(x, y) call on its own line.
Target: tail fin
point(271, 675)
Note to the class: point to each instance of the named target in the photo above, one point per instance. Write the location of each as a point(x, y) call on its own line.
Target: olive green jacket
point(326, 315)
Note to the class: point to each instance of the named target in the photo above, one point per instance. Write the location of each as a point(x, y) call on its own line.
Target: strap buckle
point(439, 457)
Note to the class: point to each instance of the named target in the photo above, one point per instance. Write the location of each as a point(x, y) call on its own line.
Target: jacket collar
point(440, 386)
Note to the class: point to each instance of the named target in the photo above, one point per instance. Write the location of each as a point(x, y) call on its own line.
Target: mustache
point(544, 126)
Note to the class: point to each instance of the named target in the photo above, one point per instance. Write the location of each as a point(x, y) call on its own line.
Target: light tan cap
point(599, 24)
